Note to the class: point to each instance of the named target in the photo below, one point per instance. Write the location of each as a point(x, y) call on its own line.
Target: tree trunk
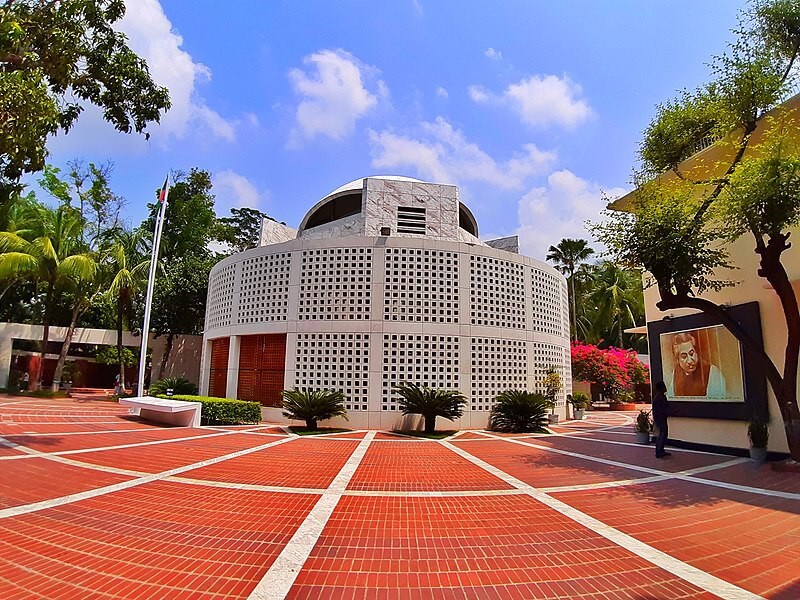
point(165, 356)
point(119, 343)
point(62, 357)
point(36, 383)
point(430, 423)
point(311, 424)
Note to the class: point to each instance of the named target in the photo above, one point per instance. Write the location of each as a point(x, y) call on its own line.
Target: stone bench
point(174, 412)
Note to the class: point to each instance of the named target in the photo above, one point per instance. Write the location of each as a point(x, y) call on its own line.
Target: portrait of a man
point(693, 374)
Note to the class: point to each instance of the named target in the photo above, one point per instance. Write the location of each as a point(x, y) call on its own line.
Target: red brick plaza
point(98, 504)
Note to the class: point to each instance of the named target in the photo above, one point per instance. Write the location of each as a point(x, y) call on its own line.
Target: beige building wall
point(749, 288)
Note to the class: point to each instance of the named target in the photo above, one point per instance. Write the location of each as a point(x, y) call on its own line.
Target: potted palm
point(758, 432)
point(552, 386)
point(313, 406)
point(430, 403)
point(644, 427)
point(579, 402)
point(519, 411)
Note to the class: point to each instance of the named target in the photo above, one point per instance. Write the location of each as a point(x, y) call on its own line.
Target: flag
point(162, 194)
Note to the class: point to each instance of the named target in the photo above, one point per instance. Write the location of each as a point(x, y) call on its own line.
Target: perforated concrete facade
point(362, 312)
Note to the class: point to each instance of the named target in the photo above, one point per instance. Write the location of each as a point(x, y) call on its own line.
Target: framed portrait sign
point(707, 371)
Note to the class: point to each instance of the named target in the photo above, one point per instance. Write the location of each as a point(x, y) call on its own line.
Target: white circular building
point(385, 281)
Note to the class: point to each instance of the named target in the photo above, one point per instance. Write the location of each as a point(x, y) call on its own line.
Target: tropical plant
point(519, 411)
point(613, 302)
point(430, 403)
point(758, 432)
point(614, 370)
point(568, 256)
point(644, 422)
point(47, 249)
point(178, 385)
point(681, 221)
point(312, 406)
point(578, 400)
point(553, 385)
point(127, 268)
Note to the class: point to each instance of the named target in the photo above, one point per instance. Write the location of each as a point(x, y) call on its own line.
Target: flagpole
point(151, 279)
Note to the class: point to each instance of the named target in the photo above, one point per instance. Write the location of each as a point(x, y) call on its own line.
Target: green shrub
point(644, 424)
point(313, 405)
point(519, 411)
point(223, 411)
point(430, 403)
point(178, 385)
point(578, 400)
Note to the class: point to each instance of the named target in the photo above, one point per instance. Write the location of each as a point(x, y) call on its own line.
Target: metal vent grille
point(410, 219)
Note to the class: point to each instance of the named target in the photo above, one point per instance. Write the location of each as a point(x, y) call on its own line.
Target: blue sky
point(532, 108)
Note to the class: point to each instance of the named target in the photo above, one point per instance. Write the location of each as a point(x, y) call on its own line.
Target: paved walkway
point(97, 504)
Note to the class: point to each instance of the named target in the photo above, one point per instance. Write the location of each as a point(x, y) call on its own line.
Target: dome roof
point(358, 184)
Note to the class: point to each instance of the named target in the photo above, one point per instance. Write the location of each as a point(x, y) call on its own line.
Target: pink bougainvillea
point(614, 370)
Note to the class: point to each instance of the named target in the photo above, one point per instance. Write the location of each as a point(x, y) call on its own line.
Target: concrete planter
point(552, 419)
point(642, 437)
point(578, 414)
point(758, 455)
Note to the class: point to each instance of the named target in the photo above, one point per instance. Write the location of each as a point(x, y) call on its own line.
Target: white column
point(232, 385)
point(6, 346)
point(205, 367)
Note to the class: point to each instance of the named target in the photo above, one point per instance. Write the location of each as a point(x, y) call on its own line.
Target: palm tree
point(430, 403)
point(567, 256)
point(617, 299)
point(127, 270)
point(313, 406)
point(519, 411)
point(47, 249)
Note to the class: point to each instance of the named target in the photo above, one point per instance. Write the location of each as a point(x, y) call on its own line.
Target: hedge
point(224, 411)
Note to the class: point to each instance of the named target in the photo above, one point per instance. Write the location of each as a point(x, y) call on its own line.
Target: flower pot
point(758, 455)
point(578, 414)
point(552, 419)
point(642, 437)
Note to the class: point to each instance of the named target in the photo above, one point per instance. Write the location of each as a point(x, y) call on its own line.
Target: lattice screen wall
point(335, 284)
point(334, 361)
point(497, 365)
point(264, 286)
point(421, 285)
point(427, 360)
point(497, 290)
point(221, 297)
point(549, 302)
point(550, 355)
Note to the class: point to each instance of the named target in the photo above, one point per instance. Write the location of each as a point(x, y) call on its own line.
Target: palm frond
point(519, 411)
point(18, 265)
point(78, 267)
point(313, 405)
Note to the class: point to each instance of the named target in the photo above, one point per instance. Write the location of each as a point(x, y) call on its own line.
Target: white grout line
point(140, 429)
point(693, 575)
point(278, 580)
point(39, 454)
point(645, 446)
point(676, 475)
point(60, 501)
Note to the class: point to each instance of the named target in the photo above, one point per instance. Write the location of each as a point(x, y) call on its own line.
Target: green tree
point(48, 250)
point(613, 301)
point(568, 255)
point(242, 230)
point(681, 220)
point(179, 301)
point(430, 403)
point(54, 58)
point(127, 267)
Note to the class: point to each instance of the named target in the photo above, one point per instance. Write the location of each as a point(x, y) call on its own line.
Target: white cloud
point(443, 154)
point(493, 54)
point(233, 189)
point(151, 35)
point(540, 100)
point(559, 210)
point(442, 92)
point(333, 95)
point(417, 6)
